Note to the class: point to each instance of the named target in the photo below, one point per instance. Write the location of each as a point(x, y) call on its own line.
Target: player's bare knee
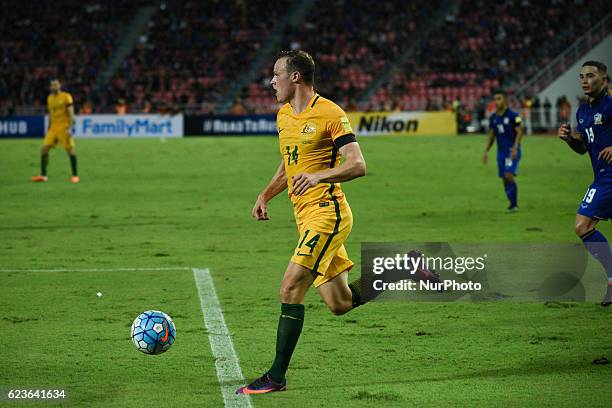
point(581, 227)
point(338, 309)
point(288, 292)
point(284, 293)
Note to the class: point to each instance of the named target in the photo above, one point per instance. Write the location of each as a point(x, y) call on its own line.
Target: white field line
point(229, 373)
point(175, 268)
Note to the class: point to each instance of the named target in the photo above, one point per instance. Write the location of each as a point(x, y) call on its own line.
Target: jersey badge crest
point(597, 119)
point(309, 129)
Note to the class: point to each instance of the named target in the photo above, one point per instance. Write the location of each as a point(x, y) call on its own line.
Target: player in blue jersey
point(594, 135)
point(505, 127)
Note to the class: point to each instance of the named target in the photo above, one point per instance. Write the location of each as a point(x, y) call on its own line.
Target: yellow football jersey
point(309, 142)
point(58, 109)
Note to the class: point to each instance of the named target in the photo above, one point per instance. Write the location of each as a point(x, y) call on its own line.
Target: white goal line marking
point(174, 268)
point(229, 373)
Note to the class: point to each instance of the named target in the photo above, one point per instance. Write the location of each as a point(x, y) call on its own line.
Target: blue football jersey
point(595, 126)
point(504, 127)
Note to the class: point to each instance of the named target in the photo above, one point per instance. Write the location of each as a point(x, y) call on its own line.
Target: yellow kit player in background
point(61, 114)
point(313, 134)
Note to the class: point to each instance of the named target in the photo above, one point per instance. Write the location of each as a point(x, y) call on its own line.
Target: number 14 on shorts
point(305, 248)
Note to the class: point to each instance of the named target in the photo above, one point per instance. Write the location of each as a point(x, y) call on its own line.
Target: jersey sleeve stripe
point(334, 155)
point(344, 140)
point(315, 101)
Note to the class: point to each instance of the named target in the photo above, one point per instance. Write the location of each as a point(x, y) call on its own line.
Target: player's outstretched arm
point(517, 141)
point(70, 113)
point(490, 140)
point(353, 166)
point(575, 141)
point(277, 185)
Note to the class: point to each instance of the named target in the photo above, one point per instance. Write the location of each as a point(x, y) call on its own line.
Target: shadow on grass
point(542, 368)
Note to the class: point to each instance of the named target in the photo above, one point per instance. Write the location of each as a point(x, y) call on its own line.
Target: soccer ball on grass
point(153, 332)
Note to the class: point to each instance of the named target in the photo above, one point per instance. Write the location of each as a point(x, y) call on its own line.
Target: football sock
point(598, 246)
point(362, 291)
point(44, 160)
point(355, 288)
point(512, 193)
point(73, 164)
point(289, 328)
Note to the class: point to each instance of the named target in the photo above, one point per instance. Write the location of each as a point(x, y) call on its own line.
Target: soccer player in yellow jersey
point(314, 133)
point(61, 114)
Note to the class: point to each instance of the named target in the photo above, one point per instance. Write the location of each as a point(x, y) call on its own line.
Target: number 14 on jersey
point(292, 154)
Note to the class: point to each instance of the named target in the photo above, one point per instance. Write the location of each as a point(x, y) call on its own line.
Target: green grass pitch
point(186, 203)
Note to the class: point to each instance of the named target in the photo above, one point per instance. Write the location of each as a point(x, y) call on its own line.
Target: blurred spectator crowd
point(485, 46)
point(192, 51)
point(351, 42)
point(66, 39)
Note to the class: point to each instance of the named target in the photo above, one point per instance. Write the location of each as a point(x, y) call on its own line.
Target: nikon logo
point(382, 124)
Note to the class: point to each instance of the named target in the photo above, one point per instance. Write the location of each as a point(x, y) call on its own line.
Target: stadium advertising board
point(364, 124)
point(119, 126)
point(403, 123)
point(22, 126)
point(219, 125)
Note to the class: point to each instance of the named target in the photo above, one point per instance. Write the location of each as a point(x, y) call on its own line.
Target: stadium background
point(204, 68)
point(214, 57)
